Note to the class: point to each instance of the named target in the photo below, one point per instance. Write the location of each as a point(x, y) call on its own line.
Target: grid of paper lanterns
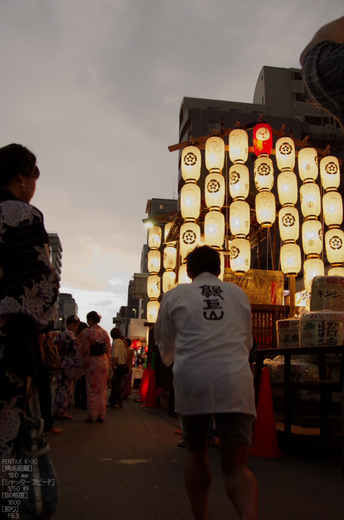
point(310, 200)
point(154, 266)
point(214, 222)
point(169, 261)
point(288, 217)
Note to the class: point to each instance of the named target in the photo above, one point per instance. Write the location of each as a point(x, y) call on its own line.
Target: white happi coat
point(205, 328)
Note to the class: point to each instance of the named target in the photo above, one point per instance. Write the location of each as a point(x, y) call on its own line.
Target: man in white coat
point(205, 329)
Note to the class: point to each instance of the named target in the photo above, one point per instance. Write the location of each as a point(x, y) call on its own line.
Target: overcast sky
point(94, 89)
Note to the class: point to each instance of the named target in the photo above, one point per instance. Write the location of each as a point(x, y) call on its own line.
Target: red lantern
point(262, 139)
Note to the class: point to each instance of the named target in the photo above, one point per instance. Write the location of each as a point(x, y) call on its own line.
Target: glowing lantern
point(312, 237)
point(334, 245)
point(240, 255)
point(190, 200)
point(336, 271)
point(308, 164)
point(238, 145)
point(310, 200)
point(168, 281)
point(265, 208)
point(191, 163)
point(287, 187)
point(154, 237)
point(153, 307)
point(183, 275)
point(239, 181)
point(170, 257)
point(285, 153)
point(290, 259)
point(239, 218)
point(312, 267)
point(333, 208)
point(214, 190)
point(330, 173)
point(289, 225)
point(263, 173)
point(222, 265)
point(214, 229)
point(189, 238)
point(154, 262)
point(153, 286)
point(262, 139)
point(214, 154)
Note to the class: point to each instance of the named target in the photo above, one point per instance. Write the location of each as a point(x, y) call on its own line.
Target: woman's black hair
point(94, 316)
point(72, 319)
point(15, 159)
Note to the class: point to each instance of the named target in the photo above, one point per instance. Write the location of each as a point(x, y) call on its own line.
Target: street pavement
point(130, 468)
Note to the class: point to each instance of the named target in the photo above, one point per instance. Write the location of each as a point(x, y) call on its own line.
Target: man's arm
point(164, 333)
point(333, 31)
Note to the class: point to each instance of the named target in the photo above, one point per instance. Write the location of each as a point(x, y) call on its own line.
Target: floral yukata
point(28, 292)
point(67, 346)
point(95, 368)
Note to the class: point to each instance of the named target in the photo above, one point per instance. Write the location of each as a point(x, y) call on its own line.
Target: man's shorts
point(231, 427)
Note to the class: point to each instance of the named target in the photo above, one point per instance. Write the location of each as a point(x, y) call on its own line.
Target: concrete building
point(56, 252)
point(66, 307)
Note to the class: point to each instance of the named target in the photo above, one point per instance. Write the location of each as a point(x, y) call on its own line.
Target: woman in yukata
point(95, 349)
point(28, 288)
point(67, 347)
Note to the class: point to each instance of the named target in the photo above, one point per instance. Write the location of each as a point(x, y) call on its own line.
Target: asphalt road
point(130, 468)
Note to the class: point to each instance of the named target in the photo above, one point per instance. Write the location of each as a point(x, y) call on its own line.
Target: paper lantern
point(189, 237)
point(312, 237)
point(238, 145)
point(153, 286)
point(290, 259)
point(191, 163)
point(239, 181)
point(333, 208)
point(287, 187)
point(265, 208)
point(239, 216)
point(289, 226)
point(170, 257)
point(154, 261)
point(310, 200)
point(214, 154)
point(334, 245)
point(214, 229)
point(330, 172)
point(262, 139)
point(240, 256)
point(312, 267)
point(263, 173)
point(153, 307)
point(190, 200)
point(308, 164)
point(168, 280)
point(182, 275)
point(336, 271)
point(222, 265)
point(285, 153)
point(214, 190)
point(154, 237)
point(167, 230)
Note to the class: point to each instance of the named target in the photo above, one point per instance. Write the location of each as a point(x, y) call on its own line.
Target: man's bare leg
point(198, 477)
point(241, 484)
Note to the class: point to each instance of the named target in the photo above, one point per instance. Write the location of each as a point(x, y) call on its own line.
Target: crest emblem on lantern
point(213, 186)
point(285, 149)
point(288, 220)
point(234, 253)
point(189, 237)
point(264, 169)
point(336, 243)
point(234, 178)
point(190, 159)
point(331, 168)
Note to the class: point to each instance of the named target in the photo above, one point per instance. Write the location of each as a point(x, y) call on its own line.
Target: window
point(298, 96)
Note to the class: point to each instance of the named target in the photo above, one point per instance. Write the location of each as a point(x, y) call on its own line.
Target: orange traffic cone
point(143, 386)
point(265, 435)
point(151, 399)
